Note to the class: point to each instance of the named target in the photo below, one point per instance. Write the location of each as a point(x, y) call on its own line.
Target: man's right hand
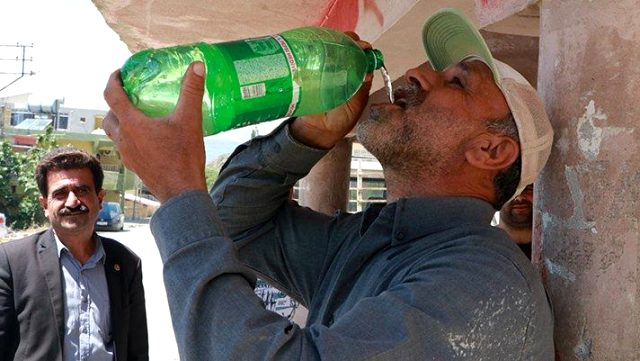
point(324, 130)
point(167, 153)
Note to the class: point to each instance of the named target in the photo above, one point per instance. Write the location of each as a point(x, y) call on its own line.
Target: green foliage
point(18, 189)
point(8, 179)
point(212, 169)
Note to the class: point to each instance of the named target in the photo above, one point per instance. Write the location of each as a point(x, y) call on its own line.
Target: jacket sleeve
point(288, 245)
point(8, 322)
point(138, 336)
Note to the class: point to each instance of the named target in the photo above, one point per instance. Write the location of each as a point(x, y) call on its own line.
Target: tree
point(18, 189)
point(9, 165)
point(212, 169)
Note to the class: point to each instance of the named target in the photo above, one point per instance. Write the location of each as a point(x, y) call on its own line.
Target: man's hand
point(166, 153)
point(323, 131)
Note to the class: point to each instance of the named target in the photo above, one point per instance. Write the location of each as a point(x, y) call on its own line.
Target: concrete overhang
point(393, 26)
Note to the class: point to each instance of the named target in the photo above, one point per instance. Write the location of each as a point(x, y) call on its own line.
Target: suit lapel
point(50, 264)
point(114, 281)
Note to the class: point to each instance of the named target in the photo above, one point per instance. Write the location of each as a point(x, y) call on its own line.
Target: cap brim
point(449, 38)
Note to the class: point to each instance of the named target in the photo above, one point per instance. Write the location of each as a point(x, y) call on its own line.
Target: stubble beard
point(401, 146)
point(74, 224)
point(516, 220)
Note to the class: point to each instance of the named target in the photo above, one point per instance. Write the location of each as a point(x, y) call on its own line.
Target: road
point(162, 344)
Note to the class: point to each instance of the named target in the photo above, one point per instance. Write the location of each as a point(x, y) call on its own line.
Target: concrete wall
point(587, 201)
point(76, 116)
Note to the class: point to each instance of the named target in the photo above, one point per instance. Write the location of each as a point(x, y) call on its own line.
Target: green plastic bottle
point(301, 71)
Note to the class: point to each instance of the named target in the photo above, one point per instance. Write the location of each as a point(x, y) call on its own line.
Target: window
point(63, 122)
point(98, 121)
point(365, 187)
point(366, 183)
point(19, 116)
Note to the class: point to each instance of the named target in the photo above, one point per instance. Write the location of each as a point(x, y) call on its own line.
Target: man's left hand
point(324, 130)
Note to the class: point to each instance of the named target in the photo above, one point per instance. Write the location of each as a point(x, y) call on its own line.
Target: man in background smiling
point(67, 293)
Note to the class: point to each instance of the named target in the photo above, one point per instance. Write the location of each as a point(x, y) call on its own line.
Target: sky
point(74, 52)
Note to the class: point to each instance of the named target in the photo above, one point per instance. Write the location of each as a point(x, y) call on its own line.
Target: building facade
point(21, 124)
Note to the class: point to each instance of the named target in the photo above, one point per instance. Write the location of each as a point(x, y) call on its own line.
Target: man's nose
point(72, 200)
point(521, 198)
point(424, 76)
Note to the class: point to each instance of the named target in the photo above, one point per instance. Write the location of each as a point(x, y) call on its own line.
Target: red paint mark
point(537, 253)
point(343, 15)
point(370, 5)
point(489, 4)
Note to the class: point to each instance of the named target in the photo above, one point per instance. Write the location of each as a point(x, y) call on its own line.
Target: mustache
point(66, 211)
point(521, 203)
point(411, 93)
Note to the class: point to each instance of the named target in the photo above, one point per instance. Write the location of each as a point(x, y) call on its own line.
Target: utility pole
point(23, 59)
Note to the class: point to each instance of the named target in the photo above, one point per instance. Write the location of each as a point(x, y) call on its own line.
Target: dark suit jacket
point(31, 300)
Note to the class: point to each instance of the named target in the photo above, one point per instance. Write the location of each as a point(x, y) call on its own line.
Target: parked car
point(3, 225)
point(110, 217)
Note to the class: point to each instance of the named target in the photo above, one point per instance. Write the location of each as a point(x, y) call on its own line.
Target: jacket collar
point(413, 218)
point(98, 255)
point(50, 267)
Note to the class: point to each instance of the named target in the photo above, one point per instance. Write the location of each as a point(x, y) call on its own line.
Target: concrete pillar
point(587, 203)
point(326, 187)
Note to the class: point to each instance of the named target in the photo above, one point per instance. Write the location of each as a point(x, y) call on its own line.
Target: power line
point(22, 59)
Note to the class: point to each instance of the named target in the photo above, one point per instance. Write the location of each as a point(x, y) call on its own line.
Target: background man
point(516, 218)
point(67, 293)
point(423, 277)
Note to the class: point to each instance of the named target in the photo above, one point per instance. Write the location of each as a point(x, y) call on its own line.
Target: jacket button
point(399, 236)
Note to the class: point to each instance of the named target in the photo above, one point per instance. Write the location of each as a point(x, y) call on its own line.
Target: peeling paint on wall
point(583, 350)
point(577, 219)
point(590, 136)
point(559, 271)
point(562, 141)
point(547, 220)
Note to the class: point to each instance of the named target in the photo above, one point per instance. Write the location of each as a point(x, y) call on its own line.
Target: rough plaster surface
point(587, 209)
point(491, 11)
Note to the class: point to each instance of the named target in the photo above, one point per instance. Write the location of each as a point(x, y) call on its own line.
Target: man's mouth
point(81, 209)
point(401, 102)
point(400, 97)
point(521, 207)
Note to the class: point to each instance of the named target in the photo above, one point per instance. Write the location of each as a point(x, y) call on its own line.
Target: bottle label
point(293, 66)
point(264, 68)
point(255, 71)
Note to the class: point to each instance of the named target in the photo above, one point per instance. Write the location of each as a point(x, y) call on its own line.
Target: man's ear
point(43, 203)
point(492, 151)
point(101, 195)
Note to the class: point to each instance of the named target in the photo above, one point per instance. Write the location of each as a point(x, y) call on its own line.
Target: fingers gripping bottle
point(301, 71)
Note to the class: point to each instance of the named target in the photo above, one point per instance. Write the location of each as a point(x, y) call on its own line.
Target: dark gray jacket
point(416, 279)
